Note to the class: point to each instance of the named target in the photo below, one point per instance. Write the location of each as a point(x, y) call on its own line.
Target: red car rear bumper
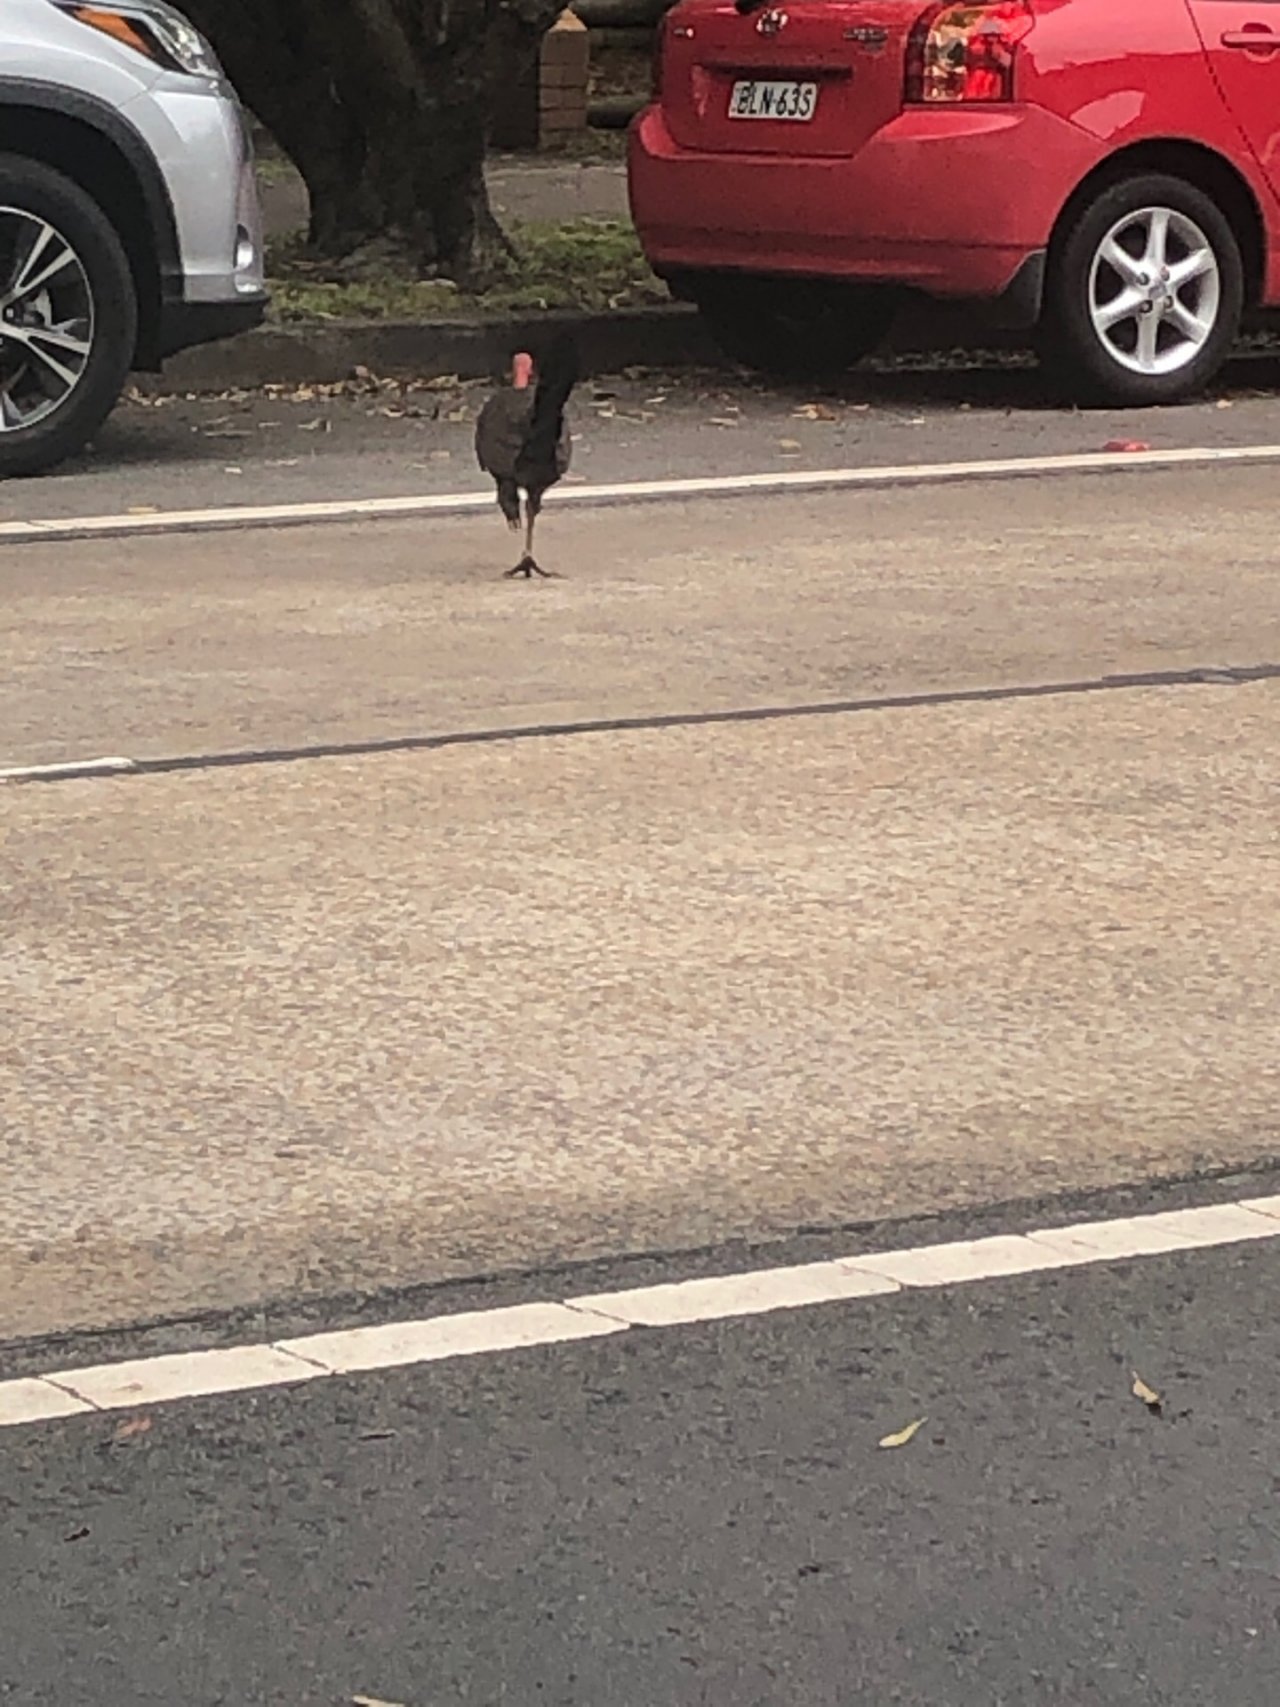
point(939, 200)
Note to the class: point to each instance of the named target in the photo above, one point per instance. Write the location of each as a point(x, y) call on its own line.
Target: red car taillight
point(966, 52)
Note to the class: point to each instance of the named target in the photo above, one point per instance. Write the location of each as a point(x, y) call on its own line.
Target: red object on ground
point(1126, 444)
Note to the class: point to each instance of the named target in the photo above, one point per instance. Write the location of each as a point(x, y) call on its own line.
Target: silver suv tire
point(68, 317)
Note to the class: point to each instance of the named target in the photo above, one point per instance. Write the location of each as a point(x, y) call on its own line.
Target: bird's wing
point(500, 431)
point(485, 432)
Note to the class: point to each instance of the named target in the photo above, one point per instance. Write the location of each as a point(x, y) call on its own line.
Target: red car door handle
point(1261, 40)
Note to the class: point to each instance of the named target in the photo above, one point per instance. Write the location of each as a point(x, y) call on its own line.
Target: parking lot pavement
point(302, 445)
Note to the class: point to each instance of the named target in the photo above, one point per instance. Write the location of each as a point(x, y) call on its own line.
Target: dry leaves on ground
point(1150, 1398)
point(904, 1436)
point(133, 1428)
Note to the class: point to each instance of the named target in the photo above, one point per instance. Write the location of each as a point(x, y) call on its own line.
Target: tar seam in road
point(89, 769)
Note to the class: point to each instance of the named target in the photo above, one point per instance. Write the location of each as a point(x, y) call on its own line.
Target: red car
point(1104, 172)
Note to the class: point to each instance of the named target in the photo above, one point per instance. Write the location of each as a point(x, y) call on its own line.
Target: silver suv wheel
point(46, 319)
point(68, 317)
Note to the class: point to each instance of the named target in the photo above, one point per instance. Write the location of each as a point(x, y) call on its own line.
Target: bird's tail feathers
point(557, 370)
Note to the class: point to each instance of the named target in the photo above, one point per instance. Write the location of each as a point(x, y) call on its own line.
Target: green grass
point(592, 264)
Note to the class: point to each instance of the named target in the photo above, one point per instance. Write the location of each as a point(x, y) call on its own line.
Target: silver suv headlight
point(153, 28)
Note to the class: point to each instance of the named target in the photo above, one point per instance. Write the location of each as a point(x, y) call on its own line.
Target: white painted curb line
point(396, 1345)
point(625, 492)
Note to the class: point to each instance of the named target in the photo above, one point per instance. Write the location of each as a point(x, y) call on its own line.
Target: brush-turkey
point(523, 441)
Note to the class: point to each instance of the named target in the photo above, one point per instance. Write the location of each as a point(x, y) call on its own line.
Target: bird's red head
point(522, 370)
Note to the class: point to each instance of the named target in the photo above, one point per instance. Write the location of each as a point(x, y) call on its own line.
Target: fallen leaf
point(1150, 1398)
point(722, 421)
point(373, 1701)
point(790, 447)
point(233, 470)
point(1223, 403)
point(133, 1428)
point(813, 412)
point(443, 382)
point(904, 1436)
point(81, 1534)
point(311, 426)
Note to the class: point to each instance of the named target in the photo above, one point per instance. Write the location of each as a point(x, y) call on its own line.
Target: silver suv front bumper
point(201, 144)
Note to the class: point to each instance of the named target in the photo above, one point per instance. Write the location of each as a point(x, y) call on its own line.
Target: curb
point(667, 335)
point(662, 336)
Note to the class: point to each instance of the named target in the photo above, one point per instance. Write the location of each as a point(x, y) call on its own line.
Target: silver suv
point(129, 220)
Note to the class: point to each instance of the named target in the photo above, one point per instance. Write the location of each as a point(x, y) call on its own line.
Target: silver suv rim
point(1155, 290)
point(46, 320)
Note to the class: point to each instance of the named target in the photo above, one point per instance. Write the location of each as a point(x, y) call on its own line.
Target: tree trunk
point(383, 107)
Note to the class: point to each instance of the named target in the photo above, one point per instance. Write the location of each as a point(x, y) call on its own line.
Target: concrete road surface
point(307, 1026)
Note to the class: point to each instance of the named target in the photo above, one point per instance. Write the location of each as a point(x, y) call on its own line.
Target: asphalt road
point(697, 1515)
point(374, 440)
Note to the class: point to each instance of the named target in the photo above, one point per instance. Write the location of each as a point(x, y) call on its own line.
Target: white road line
point(36, 1401)
point(71, 768)
point(437, 1337)
point(734, 1295)
point(626, 492)
point(970, 1259)
point(250, 1368)
point(185, 1375)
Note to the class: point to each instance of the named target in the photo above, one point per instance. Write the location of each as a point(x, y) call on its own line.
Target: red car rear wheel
point(1144, 294)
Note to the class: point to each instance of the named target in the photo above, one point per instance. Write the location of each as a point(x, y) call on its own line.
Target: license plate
point(796, 102)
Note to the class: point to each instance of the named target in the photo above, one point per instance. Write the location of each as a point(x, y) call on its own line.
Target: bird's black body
point(522, 440)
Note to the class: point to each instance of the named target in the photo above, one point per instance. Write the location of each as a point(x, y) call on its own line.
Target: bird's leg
point(533, 508)
point(528, 565)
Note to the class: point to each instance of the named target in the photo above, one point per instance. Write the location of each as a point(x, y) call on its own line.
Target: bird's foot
point(529, 567)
